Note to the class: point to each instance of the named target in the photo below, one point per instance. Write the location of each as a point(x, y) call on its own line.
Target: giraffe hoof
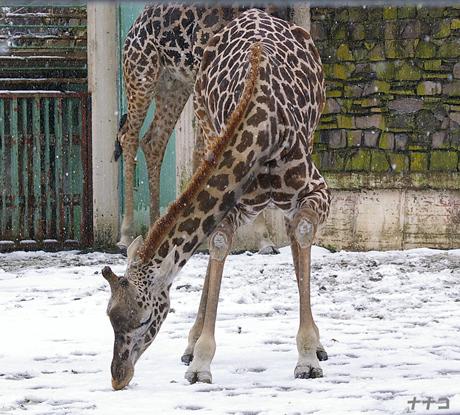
point(321, 355)
point(200, 377)
point(187, 359)
point(308, 372)
point(269, 250)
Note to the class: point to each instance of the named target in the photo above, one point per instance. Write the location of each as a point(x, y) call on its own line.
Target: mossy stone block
point(317, 157)
point(436, 12)
point(455, 24)
point(342, 15)
point(452, 89)
point(358, 32)
point(360, 161)
point(450, 48)
point(441, 30)
point(377, 86)
point(344, 71)
point(408, 72)
point(391, 31)
point(429, 88)
point(316, 138)
point(385, 70)
point(328, 70)
point(390, 12)
point(340, 32)
point(432, 65)
point(387, 141)
point(399, 162)
point(425, 50)
point(344, 54)
point(357, 14)
point(408, 12)
point(345, 121)
point(394, 49)
point(418, 161)
point(332, 161)
point(375, 30)
point(375, 14)
point(354, 138)
point(353, 91)
point(379, 162)
point(444, 161)
point(377, 54)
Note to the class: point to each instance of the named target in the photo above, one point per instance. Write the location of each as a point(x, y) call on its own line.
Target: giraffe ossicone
point(259, 94)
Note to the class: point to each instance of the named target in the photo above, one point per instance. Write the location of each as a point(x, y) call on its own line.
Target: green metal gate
point(45, 170)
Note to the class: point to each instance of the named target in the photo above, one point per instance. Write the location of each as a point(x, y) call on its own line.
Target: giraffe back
point(179, 33)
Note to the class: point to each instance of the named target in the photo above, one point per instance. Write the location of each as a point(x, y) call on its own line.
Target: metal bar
point(46, 81)
point(47, 187)
point(59, 164)
point(77, 176)
point(2, 167)
point(14, 164)
point(42, 15)
point(73, 5)
point(86, 157)
point(39, 36)
point(39, 26)
point(47, 47)
point(52, 94)
point(38, 234)
point(23, 170)
point(70, 170)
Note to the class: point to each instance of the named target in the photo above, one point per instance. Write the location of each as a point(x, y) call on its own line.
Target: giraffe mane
point(163, 225)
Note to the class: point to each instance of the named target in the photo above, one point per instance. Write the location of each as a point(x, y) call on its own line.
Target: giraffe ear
point(133, 249)
point(169, 267)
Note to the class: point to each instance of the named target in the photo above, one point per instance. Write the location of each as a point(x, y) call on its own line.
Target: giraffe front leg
point(302, 231)
point(197, 328)
point(203, 351)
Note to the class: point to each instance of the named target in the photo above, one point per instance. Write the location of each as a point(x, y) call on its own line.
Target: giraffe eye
point(123, 282)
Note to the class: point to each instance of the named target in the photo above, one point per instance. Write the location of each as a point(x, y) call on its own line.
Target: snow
point(390, 322)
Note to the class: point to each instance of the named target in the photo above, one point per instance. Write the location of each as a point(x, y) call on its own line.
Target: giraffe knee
point(304, 226)
point(219, 245)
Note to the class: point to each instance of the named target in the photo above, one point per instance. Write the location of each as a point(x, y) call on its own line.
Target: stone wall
point(393, 88)
point(390, 133)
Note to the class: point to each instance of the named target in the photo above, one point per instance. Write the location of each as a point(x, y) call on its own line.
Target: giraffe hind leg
point(118, 148)
point(170, 99)
point(301, 231)
point(139, 100)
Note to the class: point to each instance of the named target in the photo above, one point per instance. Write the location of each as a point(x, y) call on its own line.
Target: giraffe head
point(138, 306)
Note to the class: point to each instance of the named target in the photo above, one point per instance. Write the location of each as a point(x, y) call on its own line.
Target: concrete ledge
point(413, 181)
point(379, 218)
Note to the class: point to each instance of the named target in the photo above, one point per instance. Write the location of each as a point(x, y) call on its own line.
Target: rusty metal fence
point(45, 170)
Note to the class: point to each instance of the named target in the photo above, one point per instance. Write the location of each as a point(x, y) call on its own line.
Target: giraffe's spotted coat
point(266, 114)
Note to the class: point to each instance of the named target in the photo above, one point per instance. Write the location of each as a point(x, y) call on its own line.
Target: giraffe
point(259, 94)
point(161, 53)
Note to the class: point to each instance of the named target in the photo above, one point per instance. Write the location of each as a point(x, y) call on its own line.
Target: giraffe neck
point(211, 193)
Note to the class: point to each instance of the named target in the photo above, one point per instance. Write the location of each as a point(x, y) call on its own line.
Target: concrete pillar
point(102, 74)
point(301, 16)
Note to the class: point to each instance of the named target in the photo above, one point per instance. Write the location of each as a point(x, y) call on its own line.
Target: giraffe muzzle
point(121, 375)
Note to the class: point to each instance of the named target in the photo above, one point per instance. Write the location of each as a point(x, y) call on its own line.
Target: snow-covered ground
point(390, 322)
